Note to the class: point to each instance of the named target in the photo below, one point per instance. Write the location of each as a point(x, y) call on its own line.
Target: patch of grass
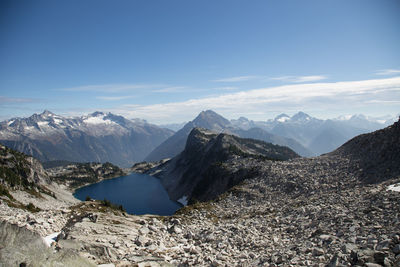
point(32, 208)
point(108, 204)
point(33, 192)
point(4, 192)
point(102, 206)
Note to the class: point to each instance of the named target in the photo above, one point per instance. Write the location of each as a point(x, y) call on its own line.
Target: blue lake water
point(137, 193)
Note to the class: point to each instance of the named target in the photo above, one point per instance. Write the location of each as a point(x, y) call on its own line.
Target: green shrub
point(32, 208)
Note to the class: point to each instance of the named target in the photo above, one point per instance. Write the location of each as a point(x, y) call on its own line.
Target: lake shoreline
point(138, 194)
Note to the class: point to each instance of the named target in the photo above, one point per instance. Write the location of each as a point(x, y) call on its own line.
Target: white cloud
point(385, 102)
point(114, 98)
point(172, 89)
point(237, 79)
point(343, 96)
point(300, 79)
point(227, 88)
point(110, 88)
point(16, 100)
point(387, 72)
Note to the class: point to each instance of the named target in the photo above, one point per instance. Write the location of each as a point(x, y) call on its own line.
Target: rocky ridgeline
point(79, 174)
point(377, 153)
point(201, 171)
point(300, 212)
point(20, 171)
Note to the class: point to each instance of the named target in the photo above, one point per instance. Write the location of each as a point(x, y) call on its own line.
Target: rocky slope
point(377, 153)
point(22, 173)
point(300, 212)
point(96, 137)
point(212, 121)
point(205, 168)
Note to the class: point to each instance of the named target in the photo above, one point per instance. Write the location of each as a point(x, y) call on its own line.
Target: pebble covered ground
point(304, 212)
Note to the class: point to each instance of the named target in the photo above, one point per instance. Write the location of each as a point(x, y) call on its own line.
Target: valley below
point(338, 209)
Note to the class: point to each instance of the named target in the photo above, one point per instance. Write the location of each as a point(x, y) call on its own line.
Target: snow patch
point(51, 238)
point(183, 200)
point(283, 119)
point(29, 128)
point(57, 121)
point(394, 187)
point(97, 120)
point(10, 122)
point(42, 123)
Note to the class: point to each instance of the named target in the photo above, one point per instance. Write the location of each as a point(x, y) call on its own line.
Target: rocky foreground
point(303, 212)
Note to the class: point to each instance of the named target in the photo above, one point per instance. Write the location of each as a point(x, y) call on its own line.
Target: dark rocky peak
point(47, 113)
point(203, 170)
point(210, 120)
point(377, 153)
point(243, 119)
point(97, 114)
point(116, 118)
point(198, 137)
point(301, 117)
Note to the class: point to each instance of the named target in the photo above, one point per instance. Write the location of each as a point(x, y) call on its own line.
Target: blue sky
point(165, 61)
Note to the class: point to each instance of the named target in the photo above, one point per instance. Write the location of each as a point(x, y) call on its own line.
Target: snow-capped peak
point(282, 118)
point(361, 118)
point(97, 118)
point(46, 113)
point(300, 117)
point(343, 117)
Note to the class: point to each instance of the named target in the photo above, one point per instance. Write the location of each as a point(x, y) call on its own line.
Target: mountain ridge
point(211, 120)
point(198, 172)
point(97, 137)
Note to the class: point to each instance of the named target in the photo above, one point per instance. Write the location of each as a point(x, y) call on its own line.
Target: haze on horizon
point(165, 61)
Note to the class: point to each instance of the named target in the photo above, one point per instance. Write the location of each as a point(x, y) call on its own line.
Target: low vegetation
point(80, 174)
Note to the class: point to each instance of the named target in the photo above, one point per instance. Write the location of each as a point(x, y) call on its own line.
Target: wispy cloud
point(110, 88)
point(171, 89)
point(384, 102)
point(237, 79)
point(343, 96)
point(300, 79)
point(227, 88)
point(114, 98)
point(16, 100)
point(387, 72)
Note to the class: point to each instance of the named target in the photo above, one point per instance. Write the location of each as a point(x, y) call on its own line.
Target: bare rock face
point(19, 170)
point(21, 247)
point(376, 153)
point(206, 168)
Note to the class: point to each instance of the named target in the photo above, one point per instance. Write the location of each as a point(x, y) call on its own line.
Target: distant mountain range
point(105, 137)
point(318, 136)
point(98, 137)
point(215, 122)
point(306, 135)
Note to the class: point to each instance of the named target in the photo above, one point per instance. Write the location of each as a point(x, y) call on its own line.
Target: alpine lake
point(137, 193)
